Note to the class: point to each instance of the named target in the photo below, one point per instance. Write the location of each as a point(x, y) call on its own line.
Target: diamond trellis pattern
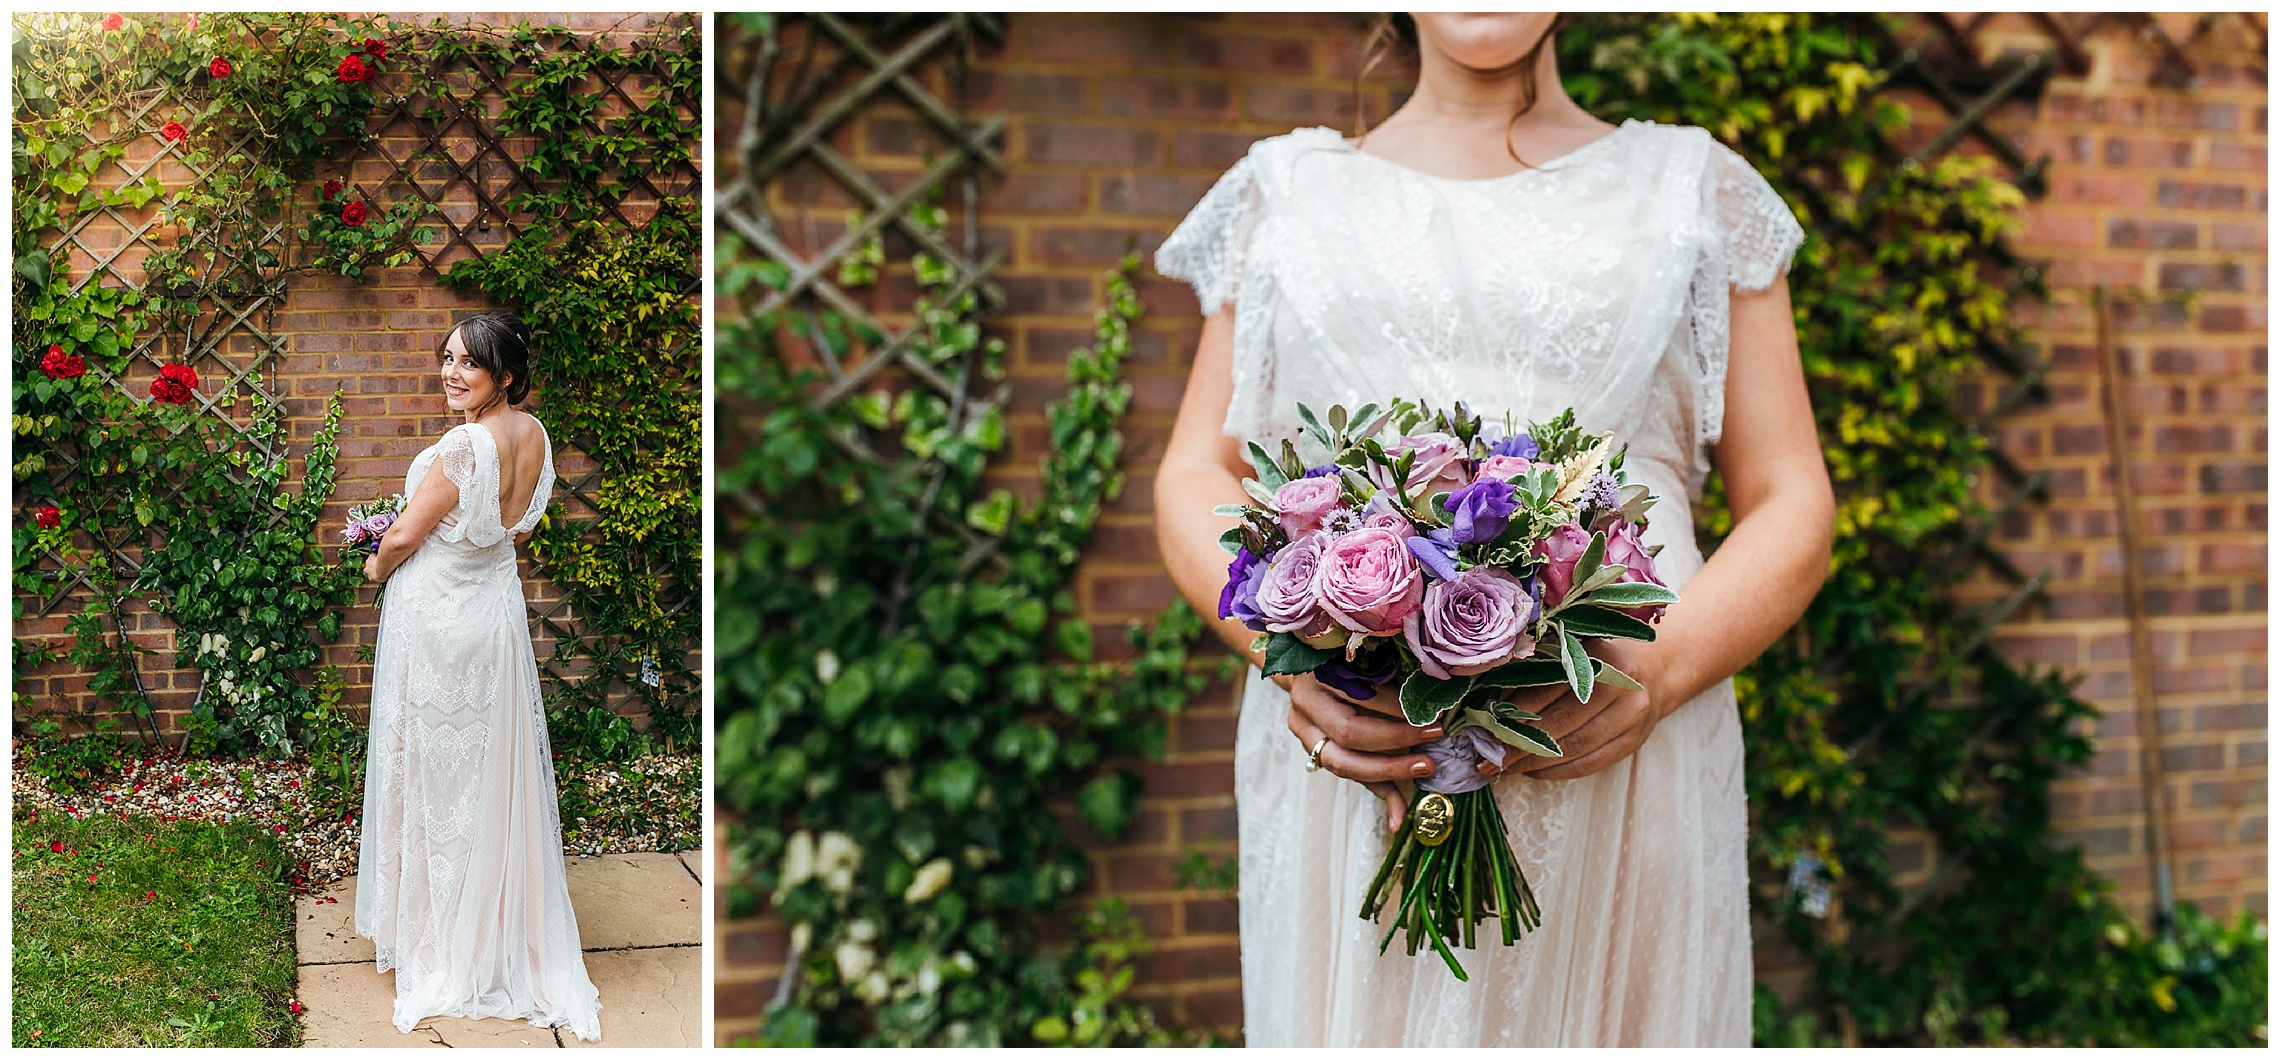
point(444, 142)
point(808, 76)
point(437, 138)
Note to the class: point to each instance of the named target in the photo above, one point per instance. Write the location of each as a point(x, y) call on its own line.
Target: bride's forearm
point(1188, 535)
point(1749, 592)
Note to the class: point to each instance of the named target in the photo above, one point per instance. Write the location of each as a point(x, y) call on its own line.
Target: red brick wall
point(375, 342)
point(1118, 124)
point(2160, 194)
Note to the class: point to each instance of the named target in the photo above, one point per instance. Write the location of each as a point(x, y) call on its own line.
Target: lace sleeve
point(1758, 229)
point(470, 460)
point(1755, 235)
point(1207, 249)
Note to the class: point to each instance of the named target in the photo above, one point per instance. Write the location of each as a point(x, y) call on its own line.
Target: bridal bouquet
point(367, 522)
point(1461, 561)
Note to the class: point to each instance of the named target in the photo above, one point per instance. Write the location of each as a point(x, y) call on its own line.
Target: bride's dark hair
point(499, 343)
point(1395, 33)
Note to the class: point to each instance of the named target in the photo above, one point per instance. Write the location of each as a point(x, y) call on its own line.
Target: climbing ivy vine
point(1886, 706)
point(903, 709)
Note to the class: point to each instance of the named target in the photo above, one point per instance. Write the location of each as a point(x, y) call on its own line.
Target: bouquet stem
point(1443, 875)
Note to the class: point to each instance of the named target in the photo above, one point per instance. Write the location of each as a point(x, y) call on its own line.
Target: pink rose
point(1287, 603)
point(1439, 467)
point(1624, 547)
point(1505, 467)
point(1560, 552)
point(1303, 503)
point(1381, 514)
point(1369, 582)
point(1472, 623)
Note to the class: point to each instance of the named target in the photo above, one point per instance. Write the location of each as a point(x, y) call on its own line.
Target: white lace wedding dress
point(460, 878)
point(1597, 280)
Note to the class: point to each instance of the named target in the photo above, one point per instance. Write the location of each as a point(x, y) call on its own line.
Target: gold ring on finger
point(1314, 757)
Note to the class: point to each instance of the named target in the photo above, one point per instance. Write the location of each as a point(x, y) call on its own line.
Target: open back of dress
point(460, 880)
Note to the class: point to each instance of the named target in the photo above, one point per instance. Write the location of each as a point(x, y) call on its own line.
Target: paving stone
point(695, 860)
point(651, 998)
point(325, 932)
point(631, 900)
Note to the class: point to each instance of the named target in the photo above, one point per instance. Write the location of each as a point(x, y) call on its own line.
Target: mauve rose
point(1470, 624)
point(1560, 551)
point(1439, 468)
point(1369, 582)
point(1287, 603)
point(1240, 599)
point(1303, 503)
point(1624, 547)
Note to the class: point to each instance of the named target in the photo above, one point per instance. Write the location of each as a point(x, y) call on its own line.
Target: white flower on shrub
point(836, 859)
point(931, 879)
point(803, 933)
point(798, 866)
point(854, 960)
point(874, 988)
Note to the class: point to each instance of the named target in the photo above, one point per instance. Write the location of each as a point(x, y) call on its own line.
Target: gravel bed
point(652, 803)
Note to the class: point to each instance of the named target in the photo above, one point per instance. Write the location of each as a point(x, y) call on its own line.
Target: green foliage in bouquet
point(1887, 706)
point(907, 694)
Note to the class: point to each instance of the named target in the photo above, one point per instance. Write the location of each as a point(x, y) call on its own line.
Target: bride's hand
point(1365, 743)
point(372, 567)
point(1600, 733)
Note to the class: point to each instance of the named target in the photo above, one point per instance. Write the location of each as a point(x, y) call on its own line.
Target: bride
point(460, 879)
point(1493, 243)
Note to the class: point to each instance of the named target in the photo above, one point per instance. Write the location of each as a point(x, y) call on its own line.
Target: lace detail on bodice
point(468, 455)
point(1597, 280)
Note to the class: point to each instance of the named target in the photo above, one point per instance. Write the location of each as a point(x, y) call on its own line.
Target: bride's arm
point(1203, 468)
point(434, 499)
point(1760, 579)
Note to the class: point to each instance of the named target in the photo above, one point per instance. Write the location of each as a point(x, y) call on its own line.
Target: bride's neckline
point(1560, 161)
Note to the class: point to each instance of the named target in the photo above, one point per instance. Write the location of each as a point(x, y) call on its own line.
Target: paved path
point(639, 916)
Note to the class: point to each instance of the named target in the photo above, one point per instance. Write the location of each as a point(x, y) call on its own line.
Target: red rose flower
point(112, 22)
point(49, 517)
point(332, 188)
point(351, 69)
point(295, 1006)
point(60, 365)
point(173, 132)
point(219, 68)
point(377, 49)
point(352, 214)
point(174, 384)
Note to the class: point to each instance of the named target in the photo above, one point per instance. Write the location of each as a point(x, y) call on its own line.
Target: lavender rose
point(1482, 510)
point(1624, 547)
point(1369, 582)
point(1286, 599)
point(1303, 503)
point(1239, 600)
point(1381, 512)
point(1470, 624)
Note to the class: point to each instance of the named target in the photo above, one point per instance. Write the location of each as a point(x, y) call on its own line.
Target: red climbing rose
point(174, 384)
point(332, 188)
point(173, 132)
point(352, 214)
point(112, 22)
point(48, 517)
point(377, 49)
point(219, 68)
point(352, 69)
point(60, 365)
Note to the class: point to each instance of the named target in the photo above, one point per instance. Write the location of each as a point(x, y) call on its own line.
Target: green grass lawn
point(183, 938)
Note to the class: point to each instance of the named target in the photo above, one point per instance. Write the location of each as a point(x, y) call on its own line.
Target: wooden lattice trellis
point(795, 97)
point(206, 323)
point(444, 147)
